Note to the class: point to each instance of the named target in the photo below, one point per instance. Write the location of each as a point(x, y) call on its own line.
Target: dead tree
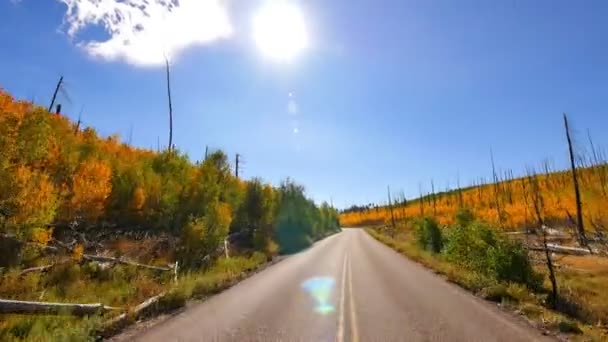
point(55, 93)
point(598, 165)
point(434, 200)
point(403, 207)
point(390, 206)
point(27, 307)
point(237, 166)
point(77, 127)
point(495, 179)
point(553, 297)
point(421, 200)
point(524, 189)
point(538, 203)
point(460, 202)
point(579, 209)
point(170, 105)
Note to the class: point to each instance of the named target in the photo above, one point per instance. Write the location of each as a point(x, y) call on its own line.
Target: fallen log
point(562, 249)
point(43, 268)
point(42, 308)
point(120, 321)
point(37, 269)
point(100, 258)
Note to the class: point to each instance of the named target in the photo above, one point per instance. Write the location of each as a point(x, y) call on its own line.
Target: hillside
point(89, 219)
point(509, 204)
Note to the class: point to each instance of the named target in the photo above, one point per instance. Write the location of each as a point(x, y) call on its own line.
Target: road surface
point(348, 287)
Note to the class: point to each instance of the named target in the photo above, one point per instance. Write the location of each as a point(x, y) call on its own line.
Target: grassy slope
point(124, 285)
point(514, 297)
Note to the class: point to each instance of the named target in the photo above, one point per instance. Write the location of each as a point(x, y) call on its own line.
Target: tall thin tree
point(496, 190)
point(55, 93)
point(433, 198)
point(390, 206)
point(170, 104)
point(579, 208)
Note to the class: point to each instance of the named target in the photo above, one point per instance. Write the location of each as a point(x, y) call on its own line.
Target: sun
point(279, 30)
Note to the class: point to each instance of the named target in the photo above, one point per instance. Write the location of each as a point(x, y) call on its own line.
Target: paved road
point(348, 287)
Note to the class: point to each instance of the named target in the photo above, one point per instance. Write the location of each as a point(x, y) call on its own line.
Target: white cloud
point(142, 32)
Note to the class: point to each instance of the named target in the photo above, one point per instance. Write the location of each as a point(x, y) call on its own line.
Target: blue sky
point(389, 92)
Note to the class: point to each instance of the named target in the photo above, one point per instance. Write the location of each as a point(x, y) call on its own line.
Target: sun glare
point(279, 30)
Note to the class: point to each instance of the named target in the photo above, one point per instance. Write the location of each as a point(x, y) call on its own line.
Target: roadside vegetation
point(90, 219)
point(493, 266)
point(536, 242)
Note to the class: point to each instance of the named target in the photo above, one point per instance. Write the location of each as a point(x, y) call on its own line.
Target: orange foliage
point(91, 189)
point(514, 199)
point(78, 252)
point(139, 198)
point(41, 235)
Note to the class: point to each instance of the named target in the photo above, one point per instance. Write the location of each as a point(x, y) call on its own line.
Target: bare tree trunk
point(390, 206)
point(77, 128)
point(26, 307)
point(55, 93)
point(403, 207)
point(421, 200)
point(537, 199)
point(236, 168)
point(553, 297)
point(121, 320)
point(598, 166)
point(124, 262)
point(460, 203)
point(433, 198)
point(579, 210)
point(496, 199)
point(170, 105)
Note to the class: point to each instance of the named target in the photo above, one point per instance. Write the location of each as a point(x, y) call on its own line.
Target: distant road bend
point(348, 287)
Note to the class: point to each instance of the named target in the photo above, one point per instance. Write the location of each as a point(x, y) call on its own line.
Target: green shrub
point(509, 261)
point(464, 217)
point(175, 299)
point(569, 327)
point(429, 235)
point(22, 328)
point(481, 249)
point(467, 246)
point(496, 293)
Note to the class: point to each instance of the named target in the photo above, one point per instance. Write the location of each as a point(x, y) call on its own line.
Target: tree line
point(56, 175)
point(574, 198)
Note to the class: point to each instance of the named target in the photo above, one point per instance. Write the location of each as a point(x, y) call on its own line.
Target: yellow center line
point(353, 313)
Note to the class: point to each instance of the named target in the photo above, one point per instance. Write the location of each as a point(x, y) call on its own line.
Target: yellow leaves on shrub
point(41, 235)
point(91, 188)
point(224, 214)
point(139, 198)
point(29, 195)
point(78, 252)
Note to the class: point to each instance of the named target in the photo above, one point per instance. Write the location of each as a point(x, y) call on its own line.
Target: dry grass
point(122, 286)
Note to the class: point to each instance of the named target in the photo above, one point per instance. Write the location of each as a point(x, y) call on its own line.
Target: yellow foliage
point(91, 188)
point(78, 252)
point(224, 214)
point(139, 198)
point(29, 195)
point(514, 199)
point(41, 235)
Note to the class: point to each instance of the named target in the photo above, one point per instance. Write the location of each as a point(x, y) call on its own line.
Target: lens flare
point(320, 289)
